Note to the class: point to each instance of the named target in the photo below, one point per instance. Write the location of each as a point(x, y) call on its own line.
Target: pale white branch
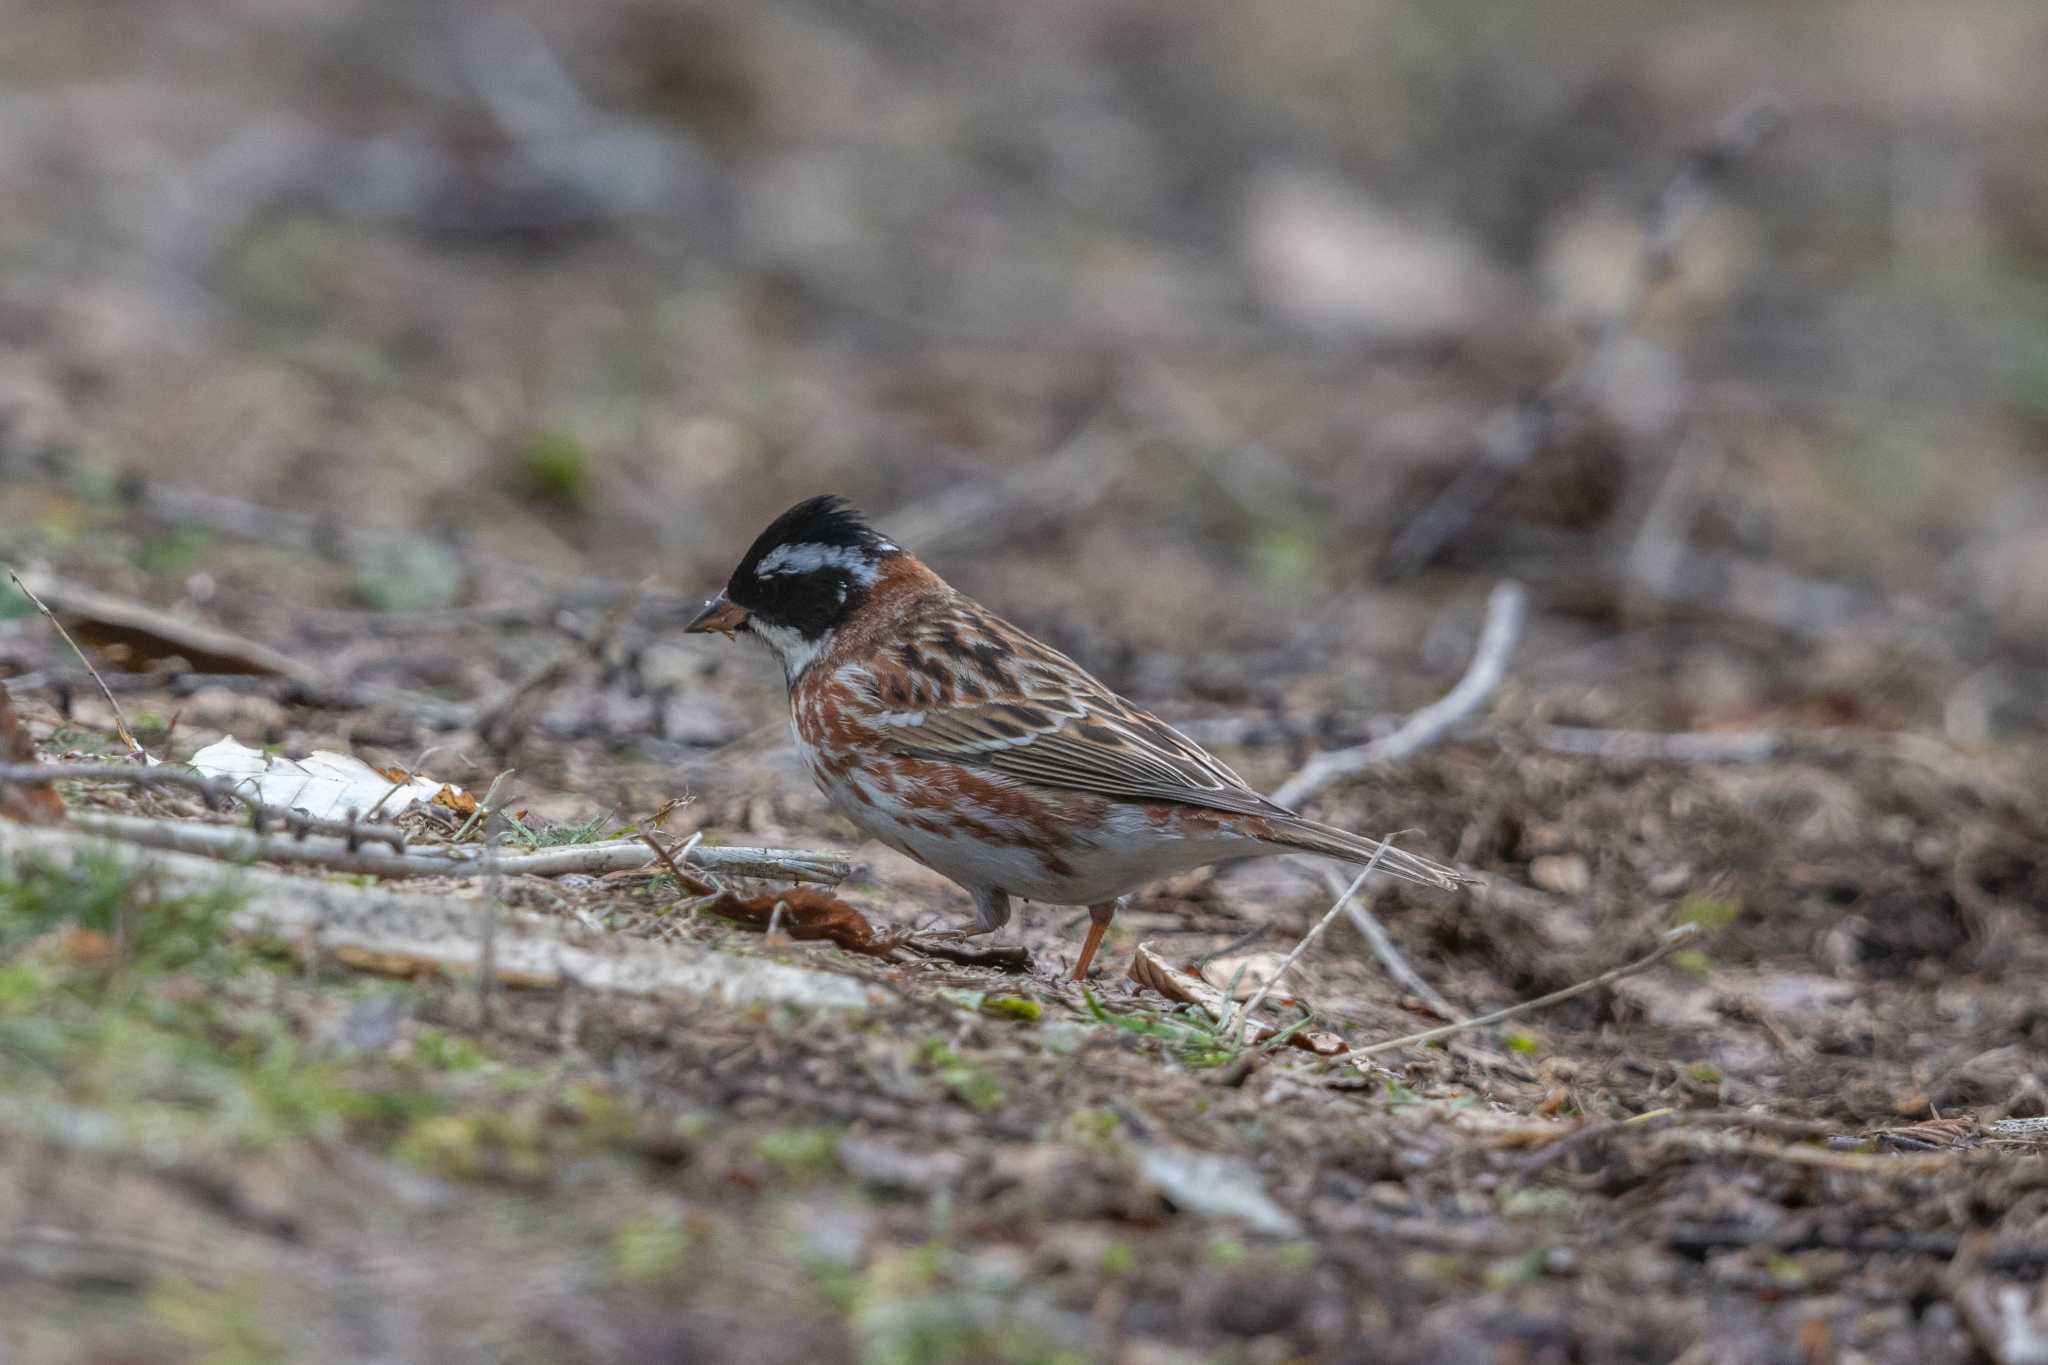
point(1506, 609)
point(613, 855)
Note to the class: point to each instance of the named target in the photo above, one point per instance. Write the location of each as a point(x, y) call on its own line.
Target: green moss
point(800, 1152)
point(1014, 1007)
point(970, 1084)
point(438, 1051)
point(97, 895)
point(175, 552)
point(1118, 1259)
point(1693, 963)
point(145, 1008)
point(650, 1247)
point(554, 467)
point(1514, 1270)
point(1291, 554)
point(220, 1326)
point(1711, 913)
point(1224, 1253)
point(910, 1312)
point(596, 829)
point(1192, 1039)
point(1096, 1129)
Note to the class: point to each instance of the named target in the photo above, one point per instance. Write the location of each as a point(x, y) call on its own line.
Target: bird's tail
point(1312, 836)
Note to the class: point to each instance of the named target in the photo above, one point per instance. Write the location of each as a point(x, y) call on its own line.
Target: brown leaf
point(136, 636)
point(455, 799)
point(32, 803)
point(1151, 970)
point(807, 913)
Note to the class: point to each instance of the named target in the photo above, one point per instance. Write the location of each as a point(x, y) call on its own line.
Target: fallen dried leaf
point(1243, 975)
point(807, 914)
point(136, 636)
point(1151, 970)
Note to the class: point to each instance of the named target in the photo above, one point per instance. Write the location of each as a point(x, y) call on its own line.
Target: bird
point(962, 742)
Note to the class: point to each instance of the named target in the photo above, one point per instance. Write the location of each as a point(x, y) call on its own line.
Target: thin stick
point(487, 940)
point(1244, 1015)
point(120, 721)
point(1672, 938)
point(621, 855)
point(696, 886)
point(485, 808)
point(218, 795)
point(1382, 945)
point(1507, 607)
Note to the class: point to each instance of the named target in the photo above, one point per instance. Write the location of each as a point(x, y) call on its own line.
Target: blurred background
point(1238, 348)
point(1213, 301)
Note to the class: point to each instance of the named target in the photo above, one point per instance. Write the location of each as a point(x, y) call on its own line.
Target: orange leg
point(1099, 917)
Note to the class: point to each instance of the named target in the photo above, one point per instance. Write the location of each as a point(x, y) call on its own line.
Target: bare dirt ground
point(1237, 353)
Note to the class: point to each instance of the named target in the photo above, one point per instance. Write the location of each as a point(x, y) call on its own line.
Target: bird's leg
point(991, 912)
point(1099, 917)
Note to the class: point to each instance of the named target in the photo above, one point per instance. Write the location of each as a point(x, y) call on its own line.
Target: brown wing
point(1020, 708)
point(1097, 744)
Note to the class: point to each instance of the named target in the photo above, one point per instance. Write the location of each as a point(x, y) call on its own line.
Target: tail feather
point(1312, 836)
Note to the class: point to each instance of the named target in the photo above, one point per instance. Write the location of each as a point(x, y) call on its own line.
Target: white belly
point(1104, 860)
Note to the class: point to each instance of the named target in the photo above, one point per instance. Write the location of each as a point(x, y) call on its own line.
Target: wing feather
point(1092, 745)
point(1039, 717)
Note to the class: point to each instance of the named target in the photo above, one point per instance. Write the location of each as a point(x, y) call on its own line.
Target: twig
point(1697, 1239)
point(1507, 607)
point(1672, 939)
point(1514, 435)
point(487, 939)
point(1250, 1007)
point(696, 886)
point(1597, 1131)
point(1382, 945)
point(620, 855)
point(217, 795)
point(1005, 957)
point(1885, 1165)
point(485, 808)
point(120, 721)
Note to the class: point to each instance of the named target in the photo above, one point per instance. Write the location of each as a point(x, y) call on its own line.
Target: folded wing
point(1102, 745)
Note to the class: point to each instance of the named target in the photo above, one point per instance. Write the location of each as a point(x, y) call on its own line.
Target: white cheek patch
point(796, 559)
point(789, 647)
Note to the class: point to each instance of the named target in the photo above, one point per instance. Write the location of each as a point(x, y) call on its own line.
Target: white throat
point(790, 648)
